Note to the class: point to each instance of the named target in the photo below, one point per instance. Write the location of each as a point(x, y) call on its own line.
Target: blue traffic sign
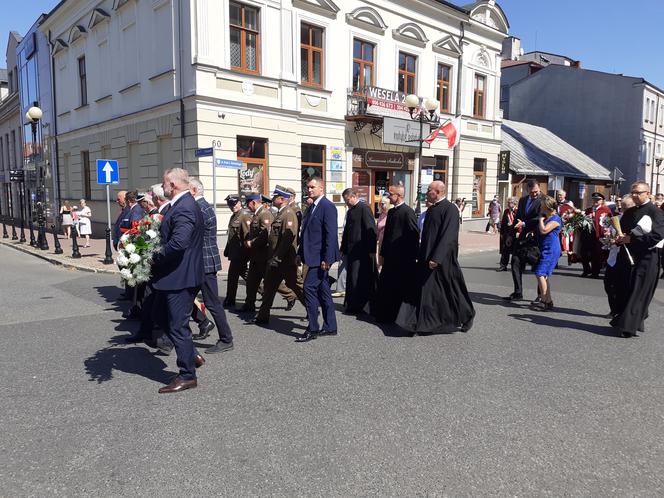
point(108, 172)
point(227, 163)
point(203, 152)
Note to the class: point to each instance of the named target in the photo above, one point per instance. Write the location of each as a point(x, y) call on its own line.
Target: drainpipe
point(55, 168)
point(457, 153)
point(180, 85)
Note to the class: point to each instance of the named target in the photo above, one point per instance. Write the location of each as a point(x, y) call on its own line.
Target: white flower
point(124, 237)
point(122, 260)
point(134, 258)
point(151, 233)
point(130, 248)
point(125, 273)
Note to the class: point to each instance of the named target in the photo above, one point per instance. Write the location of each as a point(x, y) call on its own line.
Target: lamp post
point(658, 164)
point(428, 115)
point(33, 116)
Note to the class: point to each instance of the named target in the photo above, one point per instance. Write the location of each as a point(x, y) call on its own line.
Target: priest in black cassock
point(398, 255)
point(643, 229)
point(358, 247)
point(443, 304)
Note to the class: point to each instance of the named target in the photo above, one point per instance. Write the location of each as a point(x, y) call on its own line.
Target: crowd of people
point(395, 270)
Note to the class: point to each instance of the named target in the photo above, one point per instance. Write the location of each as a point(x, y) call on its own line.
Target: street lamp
point(425, 114)
point(33, 116)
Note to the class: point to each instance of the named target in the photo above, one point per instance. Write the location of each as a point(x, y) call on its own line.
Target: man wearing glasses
point(643, 234)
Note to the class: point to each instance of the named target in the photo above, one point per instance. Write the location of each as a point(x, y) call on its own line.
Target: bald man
point(398, 255)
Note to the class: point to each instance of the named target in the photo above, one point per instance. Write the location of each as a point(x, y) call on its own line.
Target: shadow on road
point(549, 321)
point(495, 300)
point(134, 360)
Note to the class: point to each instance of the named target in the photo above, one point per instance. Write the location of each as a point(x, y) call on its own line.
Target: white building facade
point(652, 137)
point(290, 88)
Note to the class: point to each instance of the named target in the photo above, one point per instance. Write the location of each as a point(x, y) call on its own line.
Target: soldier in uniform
point(283, 254)
point(259, 250)
point(235, 251)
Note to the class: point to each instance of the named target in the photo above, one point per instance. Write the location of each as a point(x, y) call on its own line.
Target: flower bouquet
point(138, 246)
point(577, 221)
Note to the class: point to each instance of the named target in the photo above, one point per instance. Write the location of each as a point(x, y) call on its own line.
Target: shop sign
point(336, 153)
point(382, 102)
point(380, 159)
point(504, 166)
point(362, 185)
point(251, 179)
point(404, 132)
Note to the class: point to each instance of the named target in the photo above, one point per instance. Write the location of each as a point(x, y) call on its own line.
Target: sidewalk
point(92, 258)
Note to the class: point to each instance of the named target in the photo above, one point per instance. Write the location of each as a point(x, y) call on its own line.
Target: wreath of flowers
point(577, 221)
point(138, 246)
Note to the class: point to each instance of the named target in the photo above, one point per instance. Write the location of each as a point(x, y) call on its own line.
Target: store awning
point(537, 151)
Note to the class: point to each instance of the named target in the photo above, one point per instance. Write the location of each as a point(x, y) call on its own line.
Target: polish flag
point(451, 129)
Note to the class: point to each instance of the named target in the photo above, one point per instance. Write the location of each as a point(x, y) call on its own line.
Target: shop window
point(245, 38)
point(479, 96)
point(311, 55)
point(254, 174)
point(443, 86)
point(407, 73)
point(440, 168)
point(363, 65)
point(313, 163)
point(85, 175)
point(479, 183)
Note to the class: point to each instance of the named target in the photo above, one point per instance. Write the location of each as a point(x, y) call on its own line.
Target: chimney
point(511, 48)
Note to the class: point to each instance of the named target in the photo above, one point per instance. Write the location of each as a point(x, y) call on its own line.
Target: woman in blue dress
point(549, 244)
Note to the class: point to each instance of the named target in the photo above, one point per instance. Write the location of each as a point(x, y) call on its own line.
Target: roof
point(510, 63)
point(536, 151)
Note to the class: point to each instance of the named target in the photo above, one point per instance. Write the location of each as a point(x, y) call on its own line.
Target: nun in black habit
point(643, 229)
point(358, 246)
point(398, 253)
point(443, 304)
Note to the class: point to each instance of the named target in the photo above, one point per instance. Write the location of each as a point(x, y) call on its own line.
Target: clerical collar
point(397, 205)
point(644, 203)
point(439, 201)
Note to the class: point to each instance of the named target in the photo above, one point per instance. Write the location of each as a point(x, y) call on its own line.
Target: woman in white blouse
point(84, 223)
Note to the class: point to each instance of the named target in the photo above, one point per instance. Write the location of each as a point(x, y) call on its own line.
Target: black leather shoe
point(538, 299)
point(307, 336)
point(134, 339)
point(290, 304)
point(467, 326)
point(220, 347)
point(501, 268)
point(134, 313)
point(327, 333)
point(513, 297)
point(257, 321)
point(203, 330)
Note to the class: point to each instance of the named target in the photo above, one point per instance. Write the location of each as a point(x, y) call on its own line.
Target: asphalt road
point(525, 404)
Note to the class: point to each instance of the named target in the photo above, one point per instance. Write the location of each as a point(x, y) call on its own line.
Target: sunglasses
point(638, 192)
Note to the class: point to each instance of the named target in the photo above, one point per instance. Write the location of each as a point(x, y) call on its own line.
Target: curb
point(58, 262)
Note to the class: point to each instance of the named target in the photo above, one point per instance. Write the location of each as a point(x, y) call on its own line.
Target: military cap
point(253, 197)
point(266, 199)
point(232, 200)
point(280, 192)
point(598, 195)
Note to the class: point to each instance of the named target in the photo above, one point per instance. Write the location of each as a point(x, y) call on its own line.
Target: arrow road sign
point(108, 172)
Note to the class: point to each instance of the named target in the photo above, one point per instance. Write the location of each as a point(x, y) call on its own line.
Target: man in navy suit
point(178, 273)
point(527, 222)
point(319, 249)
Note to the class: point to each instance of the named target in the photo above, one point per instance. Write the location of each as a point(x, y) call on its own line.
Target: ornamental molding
point(326, 8)
point(410, 33)
point(367, 18)
point(447, 45)
point(97, 17)
point(76, 33)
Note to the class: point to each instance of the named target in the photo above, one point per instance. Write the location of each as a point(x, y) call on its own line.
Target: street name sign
point(108, 172)
point(204, 152)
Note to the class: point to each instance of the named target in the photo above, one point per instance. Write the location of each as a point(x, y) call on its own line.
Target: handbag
point(528, 250)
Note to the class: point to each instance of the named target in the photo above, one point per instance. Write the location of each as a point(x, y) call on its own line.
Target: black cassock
point(443, 304)
point(399, 251)
point(358, 245)
point(640, 287)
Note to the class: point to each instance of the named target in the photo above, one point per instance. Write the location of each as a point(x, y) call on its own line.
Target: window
point(443, 87)
point(479, 171)
point(407, 73)
point(10, 81)
point(440, 168)
point(479, 96)
point(85, 174)
point(311, 55)
point(82, 81)
point(253, 153)
point(363, 65)
point(313, 163)
point(245, 38)
point(661, 115)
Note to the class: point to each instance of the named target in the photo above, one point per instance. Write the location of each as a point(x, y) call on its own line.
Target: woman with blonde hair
point(384, 207)
point(66, 221)
point(84, 222)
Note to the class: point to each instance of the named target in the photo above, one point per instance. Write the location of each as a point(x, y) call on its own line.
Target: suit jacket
point(179, 264)
point(211, 257)
point(319, 237)
point(118, 222)
point(530, 217)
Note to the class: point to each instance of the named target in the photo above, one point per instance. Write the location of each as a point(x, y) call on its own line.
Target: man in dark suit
point(120, 199)
point(527, 222)
point(210, 287)
point(319, 249)
point(178, 273)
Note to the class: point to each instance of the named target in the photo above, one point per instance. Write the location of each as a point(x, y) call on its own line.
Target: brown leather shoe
point(178, 385)
point(199, 361)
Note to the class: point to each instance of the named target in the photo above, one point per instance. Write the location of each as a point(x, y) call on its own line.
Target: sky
point(616, 36)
